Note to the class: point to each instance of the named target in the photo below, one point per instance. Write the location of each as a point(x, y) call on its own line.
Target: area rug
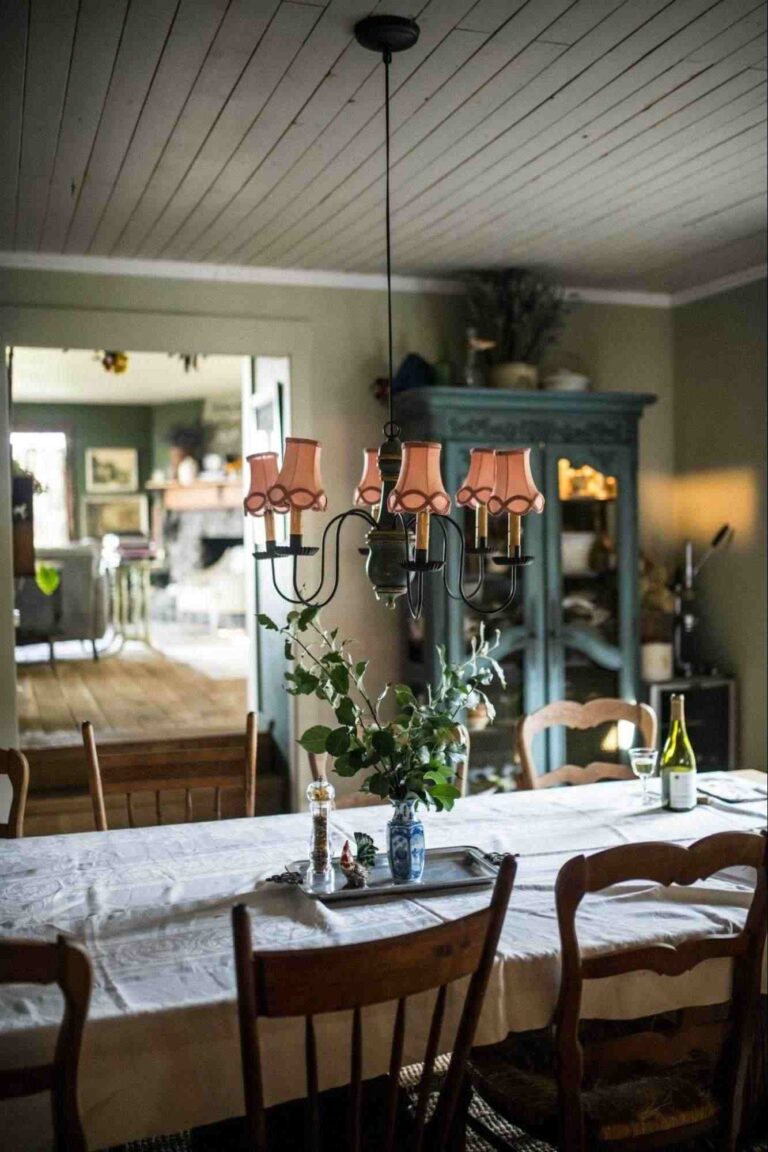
point(513, 1138)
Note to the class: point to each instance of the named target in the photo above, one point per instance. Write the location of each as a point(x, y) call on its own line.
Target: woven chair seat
point(517, 1079)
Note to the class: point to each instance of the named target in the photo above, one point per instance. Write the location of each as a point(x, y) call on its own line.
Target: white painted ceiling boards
point(618, 143)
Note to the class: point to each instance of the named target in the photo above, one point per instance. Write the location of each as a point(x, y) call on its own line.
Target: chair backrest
point(572, 715)
point(318, 763)
point(65, 964)
point(14, 765)
point(728, 1040)
point(187, 764)
point(282, 984)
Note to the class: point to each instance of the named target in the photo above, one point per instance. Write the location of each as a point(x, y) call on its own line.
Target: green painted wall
point(720, 451)
point(166, 417)
point(92, 426)
point(629, 349)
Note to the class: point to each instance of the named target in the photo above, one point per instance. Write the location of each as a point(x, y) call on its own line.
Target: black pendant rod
point(393, 429)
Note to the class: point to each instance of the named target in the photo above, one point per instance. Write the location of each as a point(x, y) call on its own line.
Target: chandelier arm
point(281, 594)
point(469, 600)
point(458, 595)
point(338, 522)
point(415, 605)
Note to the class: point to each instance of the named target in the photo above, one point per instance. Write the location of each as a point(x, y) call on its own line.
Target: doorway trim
point(145, 331)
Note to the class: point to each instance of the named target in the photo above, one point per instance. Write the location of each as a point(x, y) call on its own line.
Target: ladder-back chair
point(210, 763)
point(347, 979)
point(65, 964)
point(651, 1083)
point(583, 716)
point(14, 765)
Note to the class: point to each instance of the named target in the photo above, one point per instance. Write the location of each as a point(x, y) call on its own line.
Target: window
point(44, 454)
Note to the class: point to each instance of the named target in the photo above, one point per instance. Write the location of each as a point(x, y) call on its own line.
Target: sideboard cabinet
point(573, 630)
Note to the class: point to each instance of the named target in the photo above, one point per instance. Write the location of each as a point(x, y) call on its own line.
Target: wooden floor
point(138, 692)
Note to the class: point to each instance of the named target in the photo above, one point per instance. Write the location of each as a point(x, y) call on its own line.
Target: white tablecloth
point(152, 906)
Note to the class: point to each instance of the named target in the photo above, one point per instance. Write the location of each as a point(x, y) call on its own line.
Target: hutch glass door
point(591, 613)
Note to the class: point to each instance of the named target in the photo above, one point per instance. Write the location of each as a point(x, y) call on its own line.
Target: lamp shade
point(481, 478)
point(299, 484)
point(419, 486)
point(368, 491)
point(263, 466)
point(515, 490)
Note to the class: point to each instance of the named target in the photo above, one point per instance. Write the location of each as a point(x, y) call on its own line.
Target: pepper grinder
point(320, 795)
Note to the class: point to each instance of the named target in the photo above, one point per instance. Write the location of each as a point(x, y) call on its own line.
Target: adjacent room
point(383, 575)
point(134, 595)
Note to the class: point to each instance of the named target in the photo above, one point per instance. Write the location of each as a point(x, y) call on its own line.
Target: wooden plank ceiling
point(618, 143)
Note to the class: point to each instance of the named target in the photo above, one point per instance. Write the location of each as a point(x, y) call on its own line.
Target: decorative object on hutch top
point(517, 314)
point(572, 632)
point(401, 492)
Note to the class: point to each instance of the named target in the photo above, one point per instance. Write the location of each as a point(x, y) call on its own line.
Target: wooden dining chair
point(650, 1083)
point(65, 964)
point(583, 716)
point(318, 763)
point(347, 979)
point(185, 764)
point(14, 765)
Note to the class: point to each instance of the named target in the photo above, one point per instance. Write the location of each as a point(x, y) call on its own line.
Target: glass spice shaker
point(320, 795)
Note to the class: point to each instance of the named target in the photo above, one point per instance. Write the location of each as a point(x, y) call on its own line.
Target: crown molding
point(723, 284)
point(626, 296)
point(358, 281)
point(223, 273)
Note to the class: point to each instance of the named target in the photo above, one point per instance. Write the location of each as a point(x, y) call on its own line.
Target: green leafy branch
point(415, 755)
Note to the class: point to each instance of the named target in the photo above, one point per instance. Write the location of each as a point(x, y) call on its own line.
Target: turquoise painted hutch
point(573, 631)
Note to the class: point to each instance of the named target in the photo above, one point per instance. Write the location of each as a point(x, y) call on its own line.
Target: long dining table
point(152, 907)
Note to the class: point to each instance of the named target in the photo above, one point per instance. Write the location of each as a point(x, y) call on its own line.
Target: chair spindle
point(427, 1076)
point(356, 1087)
point(395, 1065)
point(313, 1096)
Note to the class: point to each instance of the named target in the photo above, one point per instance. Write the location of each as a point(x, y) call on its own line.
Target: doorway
point(134, 614)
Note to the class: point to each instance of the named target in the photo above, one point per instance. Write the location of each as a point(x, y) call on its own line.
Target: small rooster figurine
point(356, 874)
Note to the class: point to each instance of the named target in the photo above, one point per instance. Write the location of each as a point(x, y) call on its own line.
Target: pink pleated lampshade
point(368, 491)
point(480, 480)
point(419, 486)
point(299, 483)
point(515, 490)
point(263, 466)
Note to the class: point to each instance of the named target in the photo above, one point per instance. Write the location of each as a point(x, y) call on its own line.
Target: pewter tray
point(445, 870)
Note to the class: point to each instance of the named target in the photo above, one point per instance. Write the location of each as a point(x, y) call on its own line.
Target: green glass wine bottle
point(678, 763)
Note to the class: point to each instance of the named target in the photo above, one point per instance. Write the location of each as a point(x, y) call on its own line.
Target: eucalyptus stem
point(350, 664)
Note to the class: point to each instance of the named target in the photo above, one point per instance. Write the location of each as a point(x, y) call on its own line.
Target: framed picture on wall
point(123, 515)
point(111, 469)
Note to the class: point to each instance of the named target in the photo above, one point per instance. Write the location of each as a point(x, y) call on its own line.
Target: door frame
point(155, 331)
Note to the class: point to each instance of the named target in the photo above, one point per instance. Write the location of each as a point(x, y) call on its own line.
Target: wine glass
point(643, 761)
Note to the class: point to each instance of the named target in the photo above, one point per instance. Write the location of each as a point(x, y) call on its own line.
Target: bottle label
point(682, 790)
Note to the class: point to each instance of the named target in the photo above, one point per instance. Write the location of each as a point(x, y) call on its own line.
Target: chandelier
point(401, 497)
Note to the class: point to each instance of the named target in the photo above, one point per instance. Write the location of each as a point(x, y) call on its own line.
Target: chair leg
point(95, 650)
point(51, 652)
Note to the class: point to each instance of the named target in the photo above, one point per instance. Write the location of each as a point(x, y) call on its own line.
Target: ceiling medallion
point(401, 497)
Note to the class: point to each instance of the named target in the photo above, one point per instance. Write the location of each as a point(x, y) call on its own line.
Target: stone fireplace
point(195, 539)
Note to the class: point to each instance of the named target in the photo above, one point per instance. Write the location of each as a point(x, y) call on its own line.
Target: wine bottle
point(678, 763)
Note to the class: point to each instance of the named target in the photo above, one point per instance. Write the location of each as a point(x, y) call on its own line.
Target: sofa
point(77, 610)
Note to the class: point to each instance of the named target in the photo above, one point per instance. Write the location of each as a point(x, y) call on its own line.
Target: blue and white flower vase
point(405, 838)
